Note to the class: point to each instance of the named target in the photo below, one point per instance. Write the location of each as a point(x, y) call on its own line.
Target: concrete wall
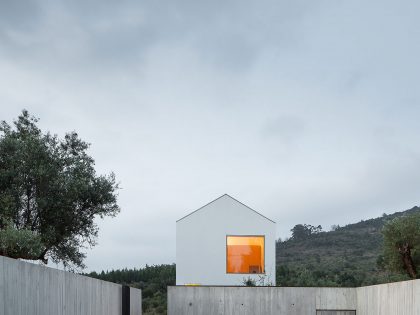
point(27, 288)
point(183, 300)
point(201, 242)
point(399, 298)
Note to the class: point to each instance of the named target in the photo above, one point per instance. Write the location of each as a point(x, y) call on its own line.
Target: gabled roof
point(225, 195)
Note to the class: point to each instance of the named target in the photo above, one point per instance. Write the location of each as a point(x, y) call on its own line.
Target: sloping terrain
point(347, 256)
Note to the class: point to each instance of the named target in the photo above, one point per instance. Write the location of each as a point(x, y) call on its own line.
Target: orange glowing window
point(245, 254)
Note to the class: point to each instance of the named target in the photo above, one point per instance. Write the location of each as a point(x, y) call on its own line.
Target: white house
point(224, 243)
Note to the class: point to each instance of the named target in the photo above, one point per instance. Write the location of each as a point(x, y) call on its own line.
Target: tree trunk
point(405, 252)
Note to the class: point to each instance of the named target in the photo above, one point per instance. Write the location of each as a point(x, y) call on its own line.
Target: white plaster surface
point(201, 242)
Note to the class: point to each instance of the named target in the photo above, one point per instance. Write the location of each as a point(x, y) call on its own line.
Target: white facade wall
point(201, 242)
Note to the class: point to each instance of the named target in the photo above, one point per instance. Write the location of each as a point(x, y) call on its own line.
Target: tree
point(152, 280)
point(50, 194)
point(303, 231)
point(335, 227)
point(402, 244)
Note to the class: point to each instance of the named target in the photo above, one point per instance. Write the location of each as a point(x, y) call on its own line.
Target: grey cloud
point(284, 126)
point(305, 110)
point(20, 15)
point(227, 34)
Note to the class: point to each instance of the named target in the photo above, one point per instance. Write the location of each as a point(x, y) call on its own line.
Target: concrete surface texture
point(335, 312)
point(29, 289)
point(401, 298)
point(258, 300)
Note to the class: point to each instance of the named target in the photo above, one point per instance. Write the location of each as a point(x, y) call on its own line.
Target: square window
point(245, 254)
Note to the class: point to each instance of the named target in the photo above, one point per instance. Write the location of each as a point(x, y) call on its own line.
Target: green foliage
point(249, 282)
point(303, 231)
point(20, 243)
point(152, 280)
point(49, 194)
point(347, 256)
point(401, 252)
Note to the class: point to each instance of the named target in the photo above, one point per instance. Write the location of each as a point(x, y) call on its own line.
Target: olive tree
point(50, 194)
point(402, 244)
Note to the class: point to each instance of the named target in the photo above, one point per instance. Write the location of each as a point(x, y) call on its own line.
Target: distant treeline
point(152, 280)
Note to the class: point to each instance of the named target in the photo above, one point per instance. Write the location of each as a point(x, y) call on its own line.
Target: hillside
point(346, 256)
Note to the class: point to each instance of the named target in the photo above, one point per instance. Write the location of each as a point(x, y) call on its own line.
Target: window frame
point(226, 254)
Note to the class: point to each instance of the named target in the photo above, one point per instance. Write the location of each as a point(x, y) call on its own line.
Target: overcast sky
point(306, 111)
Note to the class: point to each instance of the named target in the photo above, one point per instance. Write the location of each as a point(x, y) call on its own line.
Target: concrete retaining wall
point(400, 298)
point(27, 288)
point(183, 300)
